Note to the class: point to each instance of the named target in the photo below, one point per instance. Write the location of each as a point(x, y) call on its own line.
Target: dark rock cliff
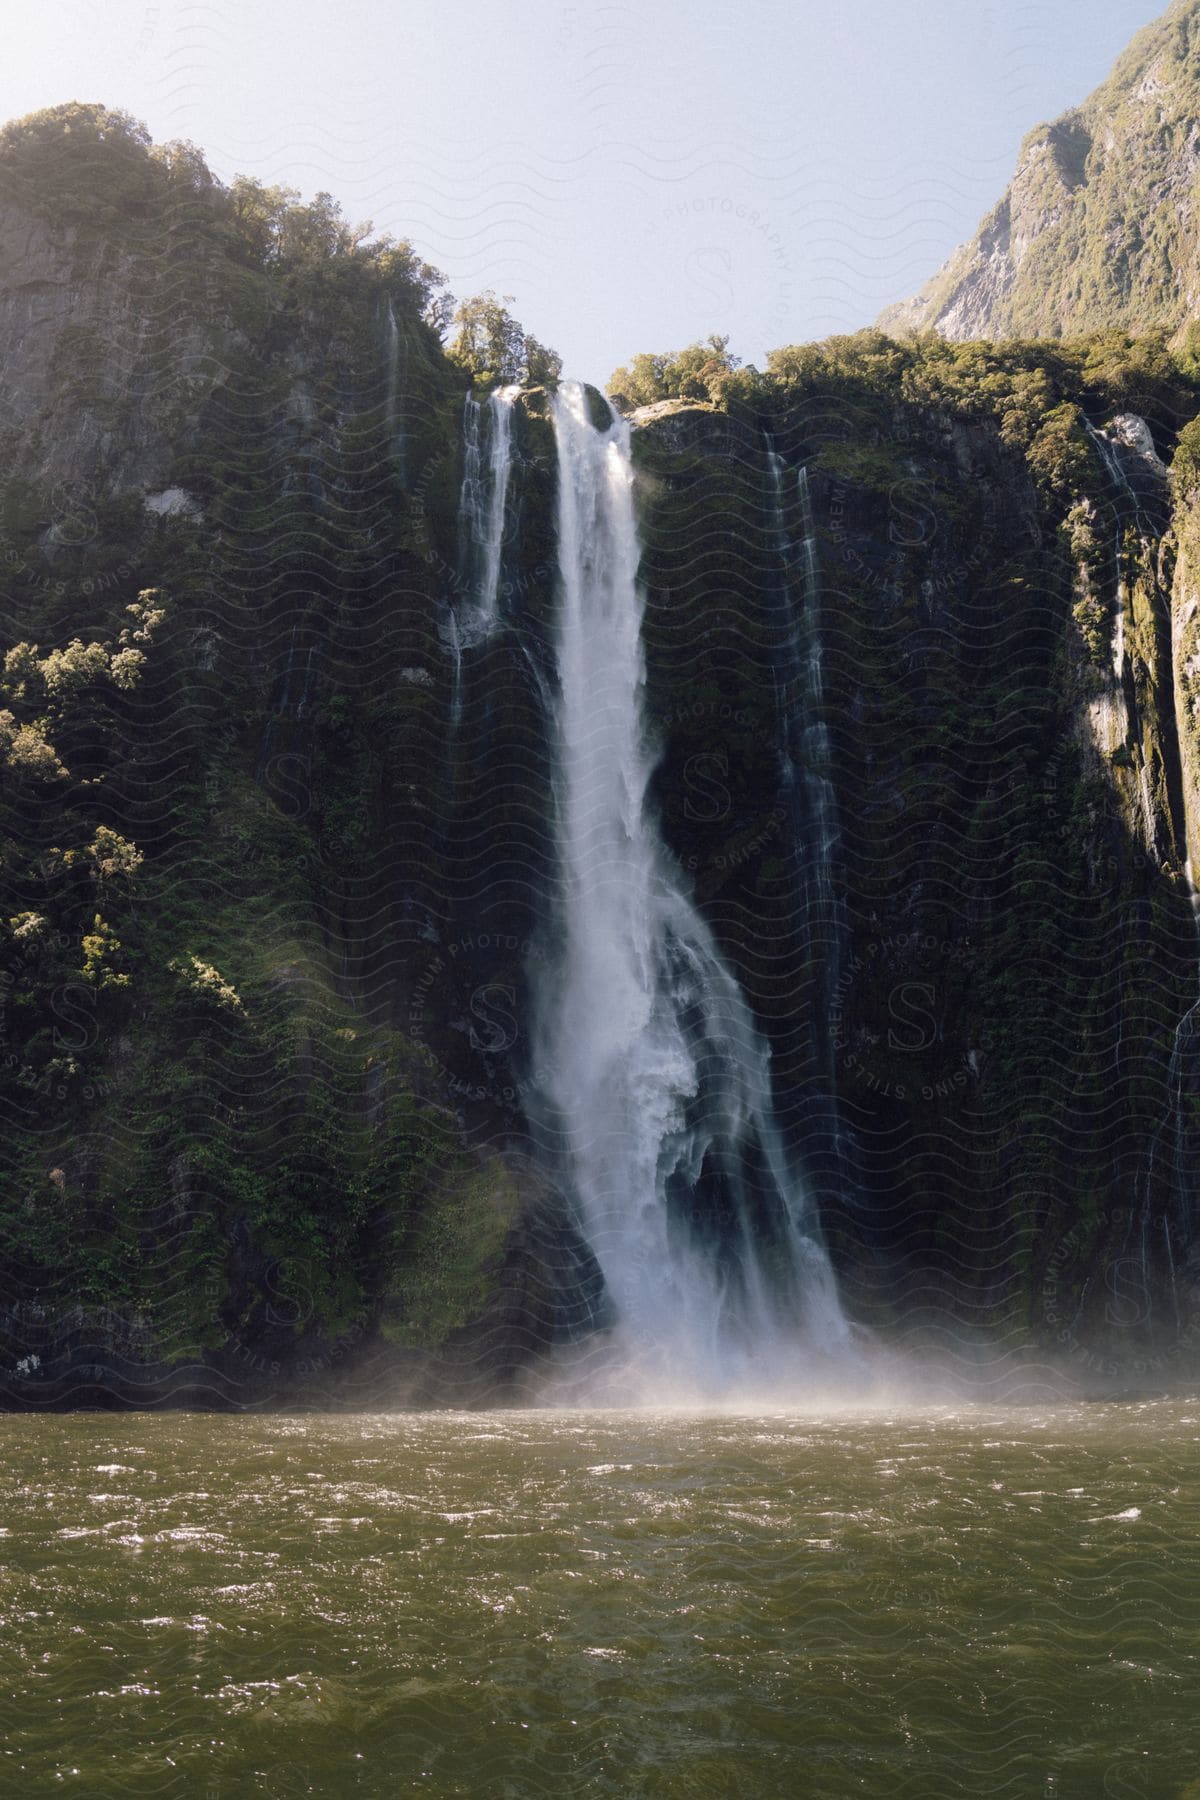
point(278, 861)
point(1014, 962)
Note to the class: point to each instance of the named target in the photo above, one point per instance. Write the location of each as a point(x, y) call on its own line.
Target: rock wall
point(278, 860)
point(1016, 956)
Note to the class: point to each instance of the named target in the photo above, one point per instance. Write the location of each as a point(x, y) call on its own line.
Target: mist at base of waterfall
point(860, 1375)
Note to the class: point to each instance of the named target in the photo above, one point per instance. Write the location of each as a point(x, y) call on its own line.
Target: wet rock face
point(101, 362)
point(325, 1183)
point(987, 835)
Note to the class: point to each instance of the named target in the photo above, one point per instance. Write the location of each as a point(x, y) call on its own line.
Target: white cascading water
point(397, 347)
point(482, 505)
point(1107, 453)
point(807, 756)
point(653, 1080)
point(1172, 1140)
point(483, 500)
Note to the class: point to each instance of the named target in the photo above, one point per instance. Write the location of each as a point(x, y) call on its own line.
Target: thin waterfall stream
point(483, 500)
point(395, 388)
point(1171, 1139)
point(482, 508)
point(807, 785)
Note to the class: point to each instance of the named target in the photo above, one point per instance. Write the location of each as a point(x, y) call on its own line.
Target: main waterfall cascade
point(653, 1083)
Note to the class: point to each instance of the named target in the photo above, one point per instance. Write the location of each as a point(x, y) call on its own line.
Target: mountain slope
point(1100, 226)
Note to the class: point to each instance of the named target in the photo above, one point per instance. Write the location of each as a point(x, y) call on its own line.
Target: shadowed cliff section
point(247, 863)
point(1007, 621)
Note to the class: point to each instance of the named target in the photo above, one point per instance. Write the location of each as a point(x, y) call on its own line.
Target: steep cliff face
point(278, 859)
point(1099, 226)
point(250, 870)
point(1185, 657)
point(1015, 963)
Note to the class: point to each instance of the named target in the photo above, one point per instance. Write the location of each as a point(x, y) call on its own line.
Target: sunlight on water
point(948, 1600)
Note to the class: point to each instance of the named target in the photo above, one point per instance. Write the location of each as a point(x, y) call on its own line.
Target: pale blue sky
point(634, 175)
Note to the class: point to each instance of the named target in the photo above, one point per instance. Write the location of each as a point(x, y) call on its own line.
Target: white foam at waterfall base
point(653, 1081)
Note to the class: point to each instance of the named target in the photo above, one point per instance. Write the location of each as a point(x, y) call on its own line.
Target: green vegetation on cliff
point(227, 532)
point(1099, 226)
point(493, 348)
point(276, 845)
point(698, 373)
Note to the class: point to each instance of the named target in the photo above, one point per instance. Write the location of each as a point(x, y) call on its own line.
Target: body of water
point(957, 1601)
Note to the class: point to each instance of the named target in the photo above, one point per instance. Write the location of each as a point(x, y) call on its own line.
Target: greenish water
point(950, 1602)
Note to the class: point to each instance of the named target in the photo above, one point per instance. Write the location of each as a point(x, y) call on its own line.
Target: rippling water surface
point(955, 1602)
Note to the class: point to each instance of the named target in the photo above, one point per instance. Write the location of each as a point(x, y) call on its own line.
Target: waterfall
point(807, 757)
point(482, 506)
point(453, 641)
point(1172, 1139)
point(1107, 452)
point(653, 1082)
point(392, 353)
point(483, 500)
point(817, 754)
point(807, 747)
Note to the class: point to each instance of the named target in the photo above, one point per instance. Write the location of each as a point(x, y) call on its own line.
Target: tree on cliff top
point(494, 347)
point(81, 161)
point(698, 373)
point(96, 169)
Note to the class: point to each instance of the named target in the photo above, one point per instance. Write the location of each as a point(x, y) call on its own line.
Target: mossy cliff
point(1099, 225)
point(246, 861)
point(277, 849)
